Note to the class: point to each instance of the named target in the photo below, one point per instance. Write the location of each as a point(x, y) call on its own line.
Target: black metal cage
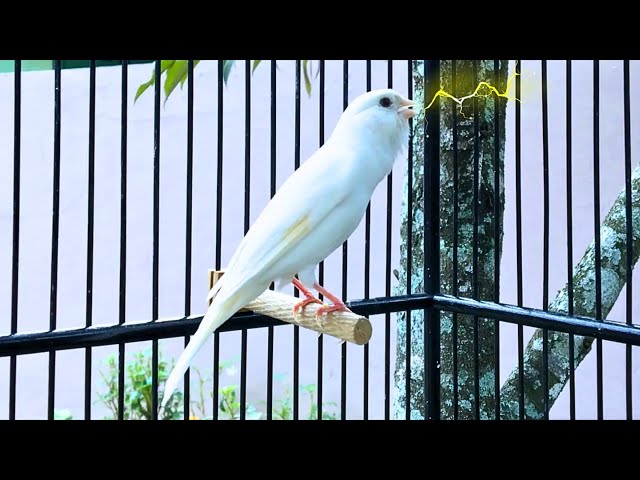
point(432, 301)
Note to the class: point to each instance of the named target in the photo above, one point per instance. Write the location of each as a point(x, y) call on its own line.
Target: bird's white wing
point(302, 203)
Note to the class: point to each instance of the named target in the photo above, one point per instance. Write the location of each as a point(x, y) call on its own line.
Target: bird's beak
point(405, 108)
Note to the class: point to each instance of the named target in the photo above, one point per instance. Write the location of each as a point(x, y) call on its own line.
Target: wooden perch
point(346, 326)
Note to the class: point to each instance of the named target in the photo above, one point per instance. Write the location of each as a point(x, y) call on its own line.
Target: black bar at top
point(90, 217)
point(596, 225)
point(156, 236)
point(54, 232)
point(188, 228)
point(16, 230)
point(629, 232)
point(432, 239)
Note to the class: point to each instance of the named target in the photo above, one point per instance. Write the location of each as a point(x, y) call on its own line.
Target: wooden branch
point(346, 326)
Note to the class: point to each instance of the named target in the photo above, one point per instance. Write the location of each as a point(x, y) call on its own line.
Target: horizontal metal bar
point(531, 317)
point(37, 342)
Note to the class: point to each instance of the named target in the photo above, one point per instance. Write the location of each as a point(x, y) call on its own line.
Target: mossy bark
point(465, 84)
point(613, 262)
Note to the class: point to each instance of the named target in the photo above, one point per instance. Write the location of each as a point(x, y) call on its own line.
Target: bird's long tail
point(220, 310)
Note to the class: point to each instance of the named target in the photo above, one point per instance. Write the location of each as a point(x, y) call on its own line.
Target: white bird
point(315, 210)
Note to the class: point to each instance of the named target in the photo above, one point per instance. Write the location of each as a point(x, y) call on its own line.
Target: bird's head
point(378, 116)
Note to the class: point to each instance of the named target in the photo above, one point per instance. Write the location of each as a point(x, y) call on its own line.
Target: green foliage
point(176, 72)
point(283, 409)
point(62, 415)
point(137, 395)
point(138, 384)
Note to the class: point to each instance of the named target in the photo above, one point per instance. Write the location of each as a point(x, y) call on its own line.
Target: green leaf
point(307, 80)
point(176, 74)
point(62, 415)
point(253, 416)
point(226, 69)
point(255, 65)
point(164, 65)
point(144, 86)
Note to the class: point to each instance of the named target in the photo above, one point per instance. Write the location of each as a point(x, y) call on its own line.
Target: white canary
point(315, 210)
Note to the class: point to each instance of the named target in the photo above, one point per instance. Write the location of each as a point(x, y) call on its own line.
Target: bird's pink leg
point(309, 298)
point(338, 304)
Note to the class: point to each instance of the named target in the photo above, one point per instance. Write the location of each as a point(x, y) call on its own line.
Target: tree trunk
point(613, 263)
point(465, 84)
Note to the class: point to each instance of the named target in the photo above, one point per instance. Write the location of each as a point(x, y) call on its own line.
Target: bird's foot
point(309, 298)
point(338, 305)
point(304, 303)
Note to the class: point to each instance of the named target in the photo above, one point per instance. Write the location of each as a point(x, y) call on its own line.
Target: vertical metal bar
point(431, 190)
point(497, 230)
point(345, 251)
point(367, 273)
point(54, 232)
point(16, 231)
point(456, 211)
point(156, 237)
point(596, 224)
point(321, 266)
point(545, 254)
point(218, 254)
point(90, 195)
point(188, 228)
point(296, 329)
point(476, 225)
point(572, 384)
point(409, 253)
point(519, 242)
point(273, 192)
point(388, 272)
point(629, 232)
point(122, 295)
point(247, 218)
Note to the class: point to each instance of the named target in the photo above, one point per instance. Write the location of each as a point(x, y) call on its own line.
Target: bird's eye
point(385, 102)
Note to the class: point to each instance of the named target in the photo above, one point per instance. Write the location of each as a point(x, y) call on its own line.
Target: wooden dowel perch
point(346, 326)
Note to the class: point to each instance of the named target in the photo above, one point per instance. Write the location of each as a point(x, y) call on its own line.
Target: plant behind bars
point(138, 384)
point(138, 388)
point(176, 72)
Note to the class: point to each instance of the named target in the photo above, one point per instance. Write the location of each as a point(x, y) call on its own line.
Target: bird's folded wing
point(302, 203)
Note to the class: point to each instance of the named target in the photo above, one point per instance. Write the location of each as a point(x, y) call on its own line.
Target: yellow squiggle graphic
point(477, 93)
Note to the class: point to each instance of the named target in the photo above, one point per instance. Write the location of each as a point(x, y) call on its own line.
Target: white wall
point(35, 222)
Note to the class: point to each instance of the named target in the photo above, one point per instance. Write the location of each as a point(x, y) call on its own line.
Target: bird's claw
point(326, 309)
point(304, 303)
